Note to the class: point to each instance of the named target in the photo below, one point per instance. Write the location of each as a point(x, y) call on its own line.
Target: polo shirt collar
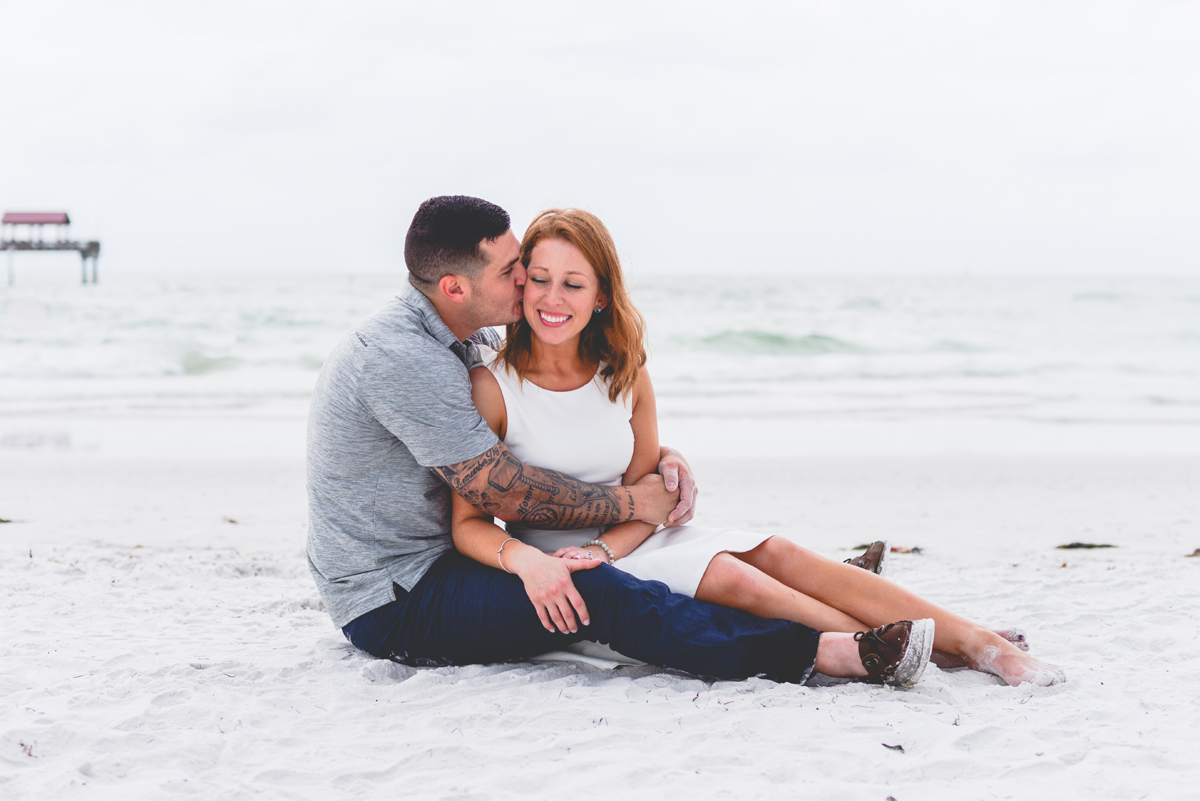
point(430, 319)
point(436, 326)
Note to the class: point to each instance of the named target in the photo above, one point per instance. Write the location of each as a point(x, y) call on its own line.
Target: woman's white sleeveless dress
point(583, 434)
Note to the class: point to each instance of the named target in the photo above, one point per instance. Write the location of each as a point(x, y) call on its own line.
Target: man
point(392, 429)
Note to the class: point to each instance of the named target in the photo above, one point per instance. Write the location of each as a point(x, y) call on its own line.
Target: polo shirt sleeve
point(422, 395)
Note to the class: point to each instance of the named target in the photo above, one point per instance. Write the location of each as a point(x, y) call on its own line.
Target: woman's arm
point(547, 580)
point(624, 538)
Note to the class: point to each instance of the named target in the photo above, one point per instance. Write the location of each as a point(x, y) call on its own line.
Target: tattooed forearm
point(501, 485)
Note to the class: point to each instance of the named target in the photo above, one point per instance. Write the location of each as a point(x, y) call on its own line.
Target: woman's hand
point(574, 552)
point(548, 584)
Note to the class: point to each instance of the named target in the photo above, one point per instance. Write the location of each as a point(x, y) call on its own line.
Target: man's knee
point(609, 585)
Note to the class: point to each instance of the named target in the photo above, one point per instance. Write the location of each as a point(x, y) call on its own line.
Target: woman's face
point(561, 291)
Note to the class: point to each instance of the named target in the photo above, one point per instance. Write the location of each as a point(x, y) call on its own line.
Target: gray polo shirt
point(392, 401)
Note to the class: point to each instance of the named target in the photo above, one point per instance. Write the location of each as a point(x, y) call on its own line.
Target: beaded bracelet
point(606, 549)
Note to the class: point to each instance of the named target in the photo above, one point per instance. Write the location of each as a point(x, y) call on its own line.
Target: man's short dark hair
point(445, 236)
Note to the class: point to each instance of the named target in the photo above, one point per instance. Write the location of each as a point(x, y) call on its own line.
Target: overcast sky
point(800, 137)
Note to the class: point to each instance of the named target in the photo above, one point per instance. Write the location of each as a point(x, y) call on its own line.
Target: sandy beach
point(164, 639)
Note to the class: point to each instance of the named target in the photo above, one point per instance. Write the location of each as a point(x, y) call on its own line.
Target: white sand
point(152, 649)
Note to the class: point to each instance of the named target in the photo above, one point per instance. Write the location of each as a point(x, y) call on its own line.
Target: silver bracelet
point(606, 549)
point(501, 548)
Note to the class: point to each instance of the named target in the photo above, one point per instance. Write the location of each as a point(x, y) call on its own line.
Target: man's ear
point(453, 288)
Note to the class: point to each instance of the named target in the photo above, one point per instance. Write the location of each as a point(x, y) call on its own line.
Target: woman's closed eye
point(547, 280)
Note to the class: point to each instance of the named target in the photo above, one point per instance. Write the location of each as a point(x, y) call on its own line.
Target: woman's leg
point(729, 581)
point(865, 597)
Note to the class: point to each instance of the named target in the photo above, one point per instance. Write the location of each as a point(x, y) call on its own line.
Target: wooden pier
point(34, 223)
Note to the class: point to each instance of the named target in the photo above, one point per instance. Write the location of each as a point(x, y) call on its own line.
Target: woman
point(569, 391)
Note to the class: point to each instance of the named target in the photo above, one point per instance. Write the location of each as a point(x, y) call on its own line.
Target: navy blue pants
point(462, 612)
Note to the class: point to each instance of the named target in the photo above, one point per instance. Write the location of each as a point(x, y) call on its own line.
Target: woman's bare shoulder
point(641, 386)
point(489, 400)
point(482, 376)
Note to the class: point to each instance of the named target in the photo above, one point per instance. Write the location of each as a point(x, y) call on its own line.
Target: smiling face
point(561, 291)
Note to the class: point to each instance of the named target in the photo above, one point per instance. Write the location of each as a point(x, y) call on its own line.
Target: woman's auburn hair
point(614, 338)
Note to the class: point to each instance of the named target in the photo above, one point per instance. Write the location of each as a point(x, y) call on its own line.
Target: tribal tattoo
point(498, 483)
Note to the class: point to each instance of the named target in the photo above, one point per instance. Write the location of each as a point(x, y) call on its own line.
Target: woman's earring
point(599, 309)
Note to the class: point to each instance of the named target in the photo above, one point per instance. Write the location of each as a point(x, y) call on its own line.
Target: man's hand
point(548, 584)
point(653, 502)
point(678, 475)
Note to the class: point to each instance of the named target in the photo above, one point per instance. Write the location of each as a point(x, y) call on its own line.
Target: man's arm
point(498, 483)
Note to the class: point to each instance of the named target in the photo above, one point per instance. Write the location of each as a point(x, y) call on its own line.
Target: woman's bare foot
point(1015, 636)
point(947, 661)
point(996, 655)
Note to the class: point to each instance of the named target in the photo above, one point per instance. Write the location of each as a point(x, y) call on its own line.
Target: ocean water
point(755, 351)
point(1049, 350)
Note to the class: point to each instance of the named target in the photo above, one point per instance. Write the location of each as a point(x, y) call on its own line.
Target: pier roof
point(36, 218)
